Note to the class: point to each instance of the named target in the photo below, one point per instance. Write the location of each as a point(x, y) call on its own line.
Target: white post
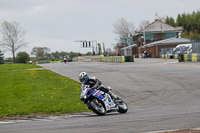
point(144, 35)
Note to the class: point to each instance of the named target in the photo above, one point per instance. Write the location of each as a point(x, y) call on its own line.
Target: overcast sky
point(57, 24)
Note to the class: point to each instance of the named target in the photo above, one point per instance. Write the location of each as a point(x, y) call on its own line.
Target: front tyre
point(97, 107)
point(123, 108)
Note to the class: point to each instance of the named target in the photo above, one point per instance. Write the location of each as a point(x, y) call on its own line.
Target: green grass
point(44, 61)
point(24, 91)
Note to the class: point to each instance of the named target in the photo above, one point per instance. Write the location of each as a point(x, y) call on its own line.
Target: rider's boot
point(108, 90)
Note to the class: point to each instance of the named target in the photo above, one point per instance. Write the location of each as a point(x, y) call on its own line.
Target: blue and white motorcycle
point(101, 103)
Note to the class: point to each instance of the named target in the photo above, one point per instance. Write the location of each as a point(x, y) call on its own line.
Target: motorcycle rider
point(65, 59)
point(94, 84)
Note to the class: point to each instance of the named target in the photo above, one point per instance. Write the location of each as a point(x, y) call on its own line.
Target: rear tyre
point(123, 108)
point(97, 107)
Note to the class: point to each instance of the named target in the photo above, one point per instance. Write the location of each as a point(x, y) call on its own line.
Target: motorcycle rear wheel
point(97, 107)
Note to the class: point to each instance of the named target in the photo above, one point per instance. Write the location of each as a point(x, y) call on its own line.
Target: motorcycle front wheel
point(97, 107)
point(123, 108)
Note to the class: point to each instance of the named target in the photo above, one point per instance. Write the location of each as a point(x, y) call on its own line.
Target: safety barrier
point(96, 58)
point(75, 59)
point(118, 59)
point(192, 57)
point(113, 59)
point(183, 57)
point(55, 61)
point(165, 56)
point(195, 57)
point(84, 59)
point(176, 56)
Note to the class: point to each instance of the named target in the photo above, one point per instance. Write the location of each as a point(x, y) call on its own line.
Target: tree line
point(13, 39)
point(44, 53)
point(190, 23)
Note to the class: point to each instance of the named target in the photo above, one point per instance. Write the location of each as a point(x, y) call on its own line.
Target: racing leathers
point(94, 83)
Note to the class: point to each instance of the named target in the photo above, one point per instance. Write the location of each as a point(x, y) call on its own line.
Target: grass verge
point(25, 90)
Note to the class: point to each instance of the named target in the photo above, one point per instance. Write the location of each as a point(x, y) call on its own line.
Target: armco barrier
point(185, 57)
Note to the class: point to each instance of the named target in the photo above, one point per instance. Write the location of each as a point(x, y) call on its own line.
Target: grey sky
point(58, 23)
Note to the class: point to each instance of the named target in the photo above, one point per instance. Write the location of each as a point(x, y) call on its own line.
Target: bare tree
point(40, 52)
point(143, 24)
point(124, 28)
point(163, 19)
point(12, 37)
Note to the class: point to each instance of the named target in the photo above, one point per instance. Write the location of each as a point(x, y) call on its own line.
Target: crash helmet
point(83, 77)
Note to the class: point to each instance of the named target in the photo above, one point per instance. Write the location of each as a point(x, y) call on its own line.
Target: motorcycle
point(101, 103)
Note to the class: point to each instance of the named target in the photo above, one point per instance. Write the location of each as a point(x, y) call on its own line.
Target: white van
point(183, 49)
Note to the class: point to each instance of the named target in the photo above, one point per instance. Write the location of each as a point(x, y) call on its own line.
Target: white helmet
point(83, 77)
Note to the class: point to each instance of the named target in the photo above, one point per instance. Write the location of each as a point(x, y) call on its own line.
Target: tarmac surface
point(161, 95)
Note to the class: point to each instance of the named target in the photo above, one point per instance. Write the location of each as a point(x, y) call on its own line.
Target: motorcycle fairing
point(98, 95)
point(109, 104)
point(87, 93)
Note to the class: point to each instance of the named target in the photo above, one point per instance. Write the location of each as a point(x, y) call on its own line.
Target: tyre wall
point(184, 57)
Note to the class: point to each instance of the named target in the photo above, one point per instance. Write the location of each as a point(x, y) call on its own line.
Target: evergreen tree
point(170, 21)
point(167, 20)
point(189, 22)
point(178, 20)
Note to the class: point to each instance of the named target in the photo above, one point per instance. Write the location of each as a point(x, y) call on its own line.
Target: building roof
point(159, 26)
point(172, 40)
point(129, 47)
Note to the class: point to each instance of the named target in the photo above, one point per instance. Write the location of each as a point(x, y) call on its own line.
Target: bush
point(22, 57)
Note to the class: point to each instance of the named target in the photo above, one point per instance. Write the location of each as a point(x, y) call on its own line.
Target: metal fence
point(196, 47)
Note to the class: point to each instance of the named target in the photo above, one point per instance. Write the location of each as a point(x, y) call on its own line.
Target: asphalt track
point(161, 95)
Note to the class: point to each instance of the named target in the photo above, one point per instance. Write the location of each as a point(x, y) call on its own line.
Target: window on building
point(151, 37)
point(169, 35)
point(148, 36)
